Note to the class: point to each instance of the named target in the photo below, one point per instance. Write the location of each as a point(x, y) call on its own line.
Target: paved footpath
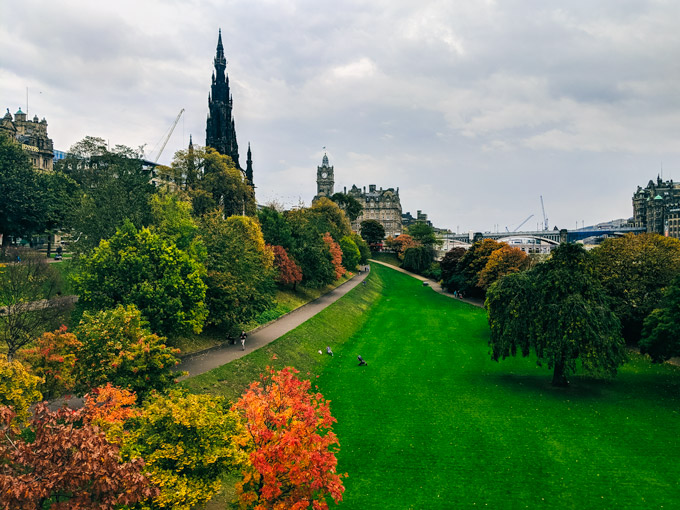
point(431, 283)
point(203, 361)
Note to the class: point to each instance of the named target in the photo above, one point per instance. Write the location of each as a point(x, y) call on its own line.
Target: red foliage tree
point(69, 465)
point(293, 463)
point(54, 358)
point(336, 254)
point(289, 272)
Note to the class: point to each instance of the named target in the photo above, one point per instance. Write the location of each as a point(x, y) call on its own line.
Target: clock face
point(324, 175)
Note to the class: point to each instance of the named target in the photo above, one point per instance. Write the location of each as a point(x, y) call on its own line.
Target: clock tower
point(324, 179)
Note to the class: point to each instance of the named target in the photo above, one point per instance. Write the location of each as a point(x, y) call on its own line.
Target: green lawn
point(432, 422)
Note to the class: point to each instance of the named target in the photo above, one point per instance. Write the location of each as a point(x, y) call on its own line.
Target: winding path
point(203, 361)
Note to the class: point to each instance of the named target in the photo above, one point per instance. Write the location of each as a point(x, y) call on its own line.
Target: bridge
point(545, 238)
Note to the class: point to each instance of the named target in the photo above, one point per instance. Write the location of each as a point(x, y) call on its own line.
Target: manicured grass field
point(432, 422)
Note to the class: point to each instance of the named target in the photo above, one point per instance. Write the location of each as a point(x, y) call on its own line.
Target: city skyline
point(473, 111)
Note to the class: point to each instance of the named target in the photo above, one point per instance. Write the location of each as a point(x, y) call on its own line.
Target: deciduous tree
point(240, 269)
point(117, 347)
point(22, 204)
point(289, 428)
point(18, 388)
point(349, 204)
point(372, 231)
point(53, 358)
point(451, 278)
point(336, 255)
point(558, 310)
point(661, 330)
point(350, 253)
point(289, 273)
point(473, 262)
point(141, 268)
point(188, 443)
point(503, 261)
point(68, 464)
point(634, 270)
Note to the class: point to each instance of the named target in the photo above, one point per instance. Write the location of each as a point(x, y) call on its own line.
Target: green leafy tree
point(372, 231)
point(116, 186)
point(364, 250)
point(350, 253)
point(349, 204)
point(275, 229)
point(62, 197)
point(29, 302)
point(309, 249)
point(117, 347)
point(22, 201)
point(452, 279)
point(559, 311)
point(661, 330)
point(213, 182)
point(634, 270)
point(418, 259)
point(188, 442)
point(141, 268)
point(326, 216)
point(240, 269)
point(423, 234)
point(171, 217)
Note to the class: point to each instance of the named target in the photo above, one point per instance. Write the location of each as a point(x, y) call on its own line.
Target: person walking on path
point(243, 340)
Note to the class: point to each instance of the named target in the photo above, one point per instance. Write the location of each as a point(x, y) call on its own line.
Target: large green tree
point(240, 269)
point(661, 329)
point(423, 234)
point(451, 277)
point(559, 311)
point(22, 198)
point(212, 181)
point(634, 271)
point(141, 268)
point(372, 231)
point(275, 229)
point(349, 204)
point(350, 253)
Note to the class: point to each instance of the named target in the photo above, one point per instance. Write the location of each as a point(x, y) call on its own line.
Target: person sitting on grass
point(329, 351)
point(361, 361)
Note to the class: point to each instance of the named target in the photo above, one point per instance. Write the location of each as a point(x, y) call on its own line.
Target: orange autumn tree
point(289, 273)
point(336, 255)
point(503, 261)
point(54, 358)
point(289, 428)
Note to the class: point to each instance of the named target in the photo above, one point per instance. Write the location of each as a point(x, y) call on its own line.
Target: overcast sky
point(472, 108)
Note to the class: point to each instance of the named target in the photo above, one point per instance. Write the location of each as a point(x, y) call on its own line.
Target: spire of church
point(249, 166)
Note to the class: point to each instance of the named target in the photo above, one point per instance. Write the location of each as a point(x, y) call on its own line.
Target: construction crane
point(545, 218)
point(520, 225)
point(165, 142)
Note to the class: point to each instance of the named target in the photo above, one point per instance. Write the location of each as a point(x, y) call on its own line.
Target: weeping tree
point(559, 311)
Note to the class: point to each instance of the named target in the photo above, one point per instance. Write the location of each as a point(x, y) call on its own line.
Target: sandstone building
point(657, 207)
point(381, 205)
point(32, 135)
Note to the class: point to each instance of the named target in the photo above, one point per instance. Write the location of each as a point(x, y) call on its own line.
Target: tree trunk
point(49, 245)
point(559, 379)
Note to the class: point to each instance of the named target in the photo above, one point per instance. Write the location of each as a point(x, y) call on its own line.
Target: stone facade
point(325, 180)
point(32, 135)
point(220, 131)
point(382, 205)
point(657, 208)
